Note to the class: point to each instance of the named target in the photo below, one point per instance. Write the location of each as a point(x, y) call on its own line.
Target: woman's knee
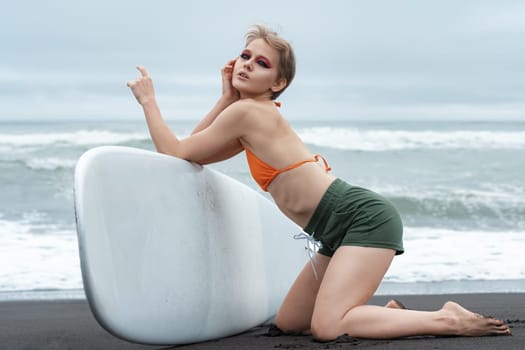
point(325, 329)
point(281, 322)
point(289, 324)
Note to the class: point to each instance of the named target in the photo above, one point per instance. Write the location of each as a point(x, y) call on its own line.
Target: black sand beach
point(69, 324)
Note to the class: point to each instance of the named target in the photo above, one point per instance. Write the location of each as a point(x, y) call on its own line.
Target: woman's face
point(256, 70)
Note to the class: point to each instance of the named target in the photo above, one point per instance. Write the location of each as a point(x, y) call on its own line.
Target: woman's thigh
point(351, 278)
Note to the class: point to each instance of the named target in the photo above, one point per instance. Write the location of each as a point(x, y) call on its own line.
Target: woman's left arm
point(229, 96)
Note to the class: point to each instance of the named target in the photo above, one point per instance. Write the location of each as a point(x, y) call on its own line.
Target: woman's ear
point(279, 85)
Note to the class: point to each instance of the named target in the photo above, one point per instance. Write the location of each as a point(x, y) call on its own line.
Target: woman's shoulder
point(237, 111)
point(242, 108)
point(248, 104)
point(254, 107)
point(253, 111)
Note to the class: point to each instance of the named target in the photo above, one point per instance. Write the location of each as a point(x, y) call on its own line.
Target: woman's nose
point(248, 64)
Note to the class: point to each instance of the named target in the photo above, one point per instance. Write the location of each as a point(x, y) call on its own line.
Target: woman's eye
point(245, 56)
point(262, 63)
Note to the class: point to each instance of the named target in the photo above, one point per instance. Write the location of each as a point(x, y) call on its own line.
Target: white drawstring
point(311, 247)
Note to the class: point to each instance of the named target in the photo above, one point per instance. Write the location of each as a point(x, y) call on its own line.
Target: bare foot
point(395, 304)
point(466, 323)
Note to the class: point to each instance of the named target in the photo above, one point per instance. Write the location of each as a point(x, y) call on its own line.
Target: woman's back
point(271, 140)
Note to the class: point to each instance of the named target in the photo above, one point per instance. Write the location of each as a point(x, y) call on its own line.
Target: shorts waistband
point(324, 208)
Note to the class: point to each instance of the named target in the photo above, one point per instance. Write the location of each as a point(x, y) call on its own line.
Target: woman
point(360, 231)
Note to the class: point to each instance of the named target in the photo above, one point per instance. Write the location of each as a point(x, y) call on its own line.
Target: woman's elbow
point(176, 153)
point(167, 151)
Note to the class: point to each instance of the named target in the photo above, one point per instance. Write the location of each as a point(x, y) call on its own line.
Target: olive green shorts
point(353, 216)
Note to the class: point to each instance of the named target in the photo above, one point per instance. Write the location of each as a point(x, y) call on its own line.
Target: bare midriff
point(297, 192)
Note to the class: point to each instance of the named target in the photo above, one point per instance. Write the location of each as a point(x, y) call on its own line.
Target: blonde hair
point(286, 66)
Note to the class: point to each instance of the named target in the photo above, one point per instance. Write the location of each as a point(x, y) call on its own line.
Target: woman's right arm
point(218, 141)
point(229, 96)
point(144, 92)
point(166, 142)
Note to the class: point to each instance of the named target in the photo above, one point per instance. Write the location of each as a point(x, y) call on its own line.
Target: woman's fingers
point(132, 83)
point(142, 87)
point(142, 71)
point(144, 74)
point(230, 64)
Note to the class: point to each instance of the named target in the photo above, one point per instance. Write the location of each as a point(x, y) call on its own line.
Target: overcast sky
point(368, 59)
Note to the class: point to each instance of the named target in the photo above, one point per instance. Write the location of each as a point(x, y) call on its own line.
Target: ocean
point(460, 188)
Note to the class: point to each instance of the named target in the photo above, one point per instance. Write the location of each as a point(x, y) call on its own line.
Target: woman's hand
point(228, 91)
point(142, 87)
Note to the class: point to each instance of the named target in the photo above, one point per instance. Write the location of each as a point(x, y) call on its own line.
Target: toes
point(502, 327)
point(391, 304)
point(498, 327)
point(502, 332)
point(494, 321)
point(395, 304)
point(400, 304)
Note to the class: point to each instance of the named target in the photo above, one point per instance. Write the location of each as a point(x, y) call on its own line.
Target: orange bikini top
point(264, 174)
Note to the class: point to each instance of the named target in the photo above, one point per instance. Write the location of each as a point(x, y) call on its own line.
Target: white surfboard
point(173, 253)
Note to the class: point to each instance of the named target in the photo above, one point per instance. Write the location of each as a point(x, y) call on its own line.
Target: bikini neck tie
point(311, 247)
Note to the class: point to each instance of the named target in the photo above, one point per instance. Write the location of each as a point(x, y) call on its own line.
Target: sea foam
point(51, 163)
point(388, 140)
point(30, 261)
point(80, 137)
point(439, 254)
point(37, 260)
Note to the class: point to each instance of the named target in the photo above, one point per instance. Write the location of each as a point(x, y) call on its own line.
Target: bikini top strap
point(293, 166)
point(296, 165)
point(326, 166)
